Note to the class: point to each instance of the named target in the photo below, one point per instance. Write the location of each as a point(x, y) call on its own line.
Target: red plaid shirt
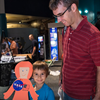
point(81, 48)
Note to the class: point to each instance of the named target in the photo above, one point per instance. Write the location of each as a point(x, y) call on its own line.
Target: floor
point(51, 81)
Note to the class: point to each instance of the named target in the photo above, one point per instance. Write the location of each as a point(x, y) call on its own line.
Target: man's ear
point(73, 7)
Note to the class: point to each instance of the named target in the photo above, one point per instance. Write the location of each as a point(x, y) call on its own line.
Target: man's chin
point(66, 24)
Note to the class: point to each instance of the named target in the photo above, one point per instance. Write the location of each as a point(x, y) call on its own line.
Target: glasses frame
point(62, 13)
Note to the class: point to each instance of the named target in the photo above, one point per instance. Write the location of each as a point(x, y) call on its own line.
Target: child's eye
point(42, 74)
point(36, 74)
point(22, 70)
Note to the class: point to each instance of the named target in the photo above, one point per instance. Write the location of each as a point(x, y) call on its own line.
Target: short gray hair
point(53, 4)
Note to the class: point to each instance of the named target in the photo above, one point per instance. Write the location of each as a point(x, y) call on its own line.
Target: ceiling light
point(86, 11)
point(80, 11)
point(20, 22)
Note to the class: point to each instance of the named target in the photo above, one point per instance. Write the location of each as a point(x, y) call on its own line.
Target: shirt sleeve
point(50, 95)
point(34, 43)
point(94, 48)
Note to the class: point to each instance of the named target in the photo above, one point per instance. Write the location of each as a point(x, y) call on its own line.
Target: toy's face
point(24, 72)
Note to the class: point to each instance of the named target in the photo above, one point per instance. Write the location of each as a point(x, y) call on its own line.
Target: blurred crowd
point(10, 45)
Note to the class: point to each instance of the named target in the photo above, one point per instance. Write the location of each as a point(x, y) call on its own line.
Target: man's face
point(66, 18)
point(30, 37)
point(9, 40)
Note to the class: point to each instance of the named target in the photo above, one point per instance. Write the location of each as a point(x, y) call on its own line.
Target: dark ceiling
point(38, 8)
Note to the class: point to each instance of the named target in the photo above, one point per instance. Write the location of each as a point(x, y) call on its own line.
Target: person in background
point(34, 48)
point(6, 40)
point(6, 49)
point(20, 48)
point(13, 46)
point(98, 24)
point(81, 48)
point(40, 73)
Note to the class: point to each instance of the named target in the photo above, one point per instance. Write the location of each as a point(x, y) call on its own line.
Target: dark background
point(28, 7)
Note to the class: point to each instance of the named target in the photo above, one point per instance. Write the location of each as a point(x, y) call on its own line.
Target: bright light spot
point(80, 11)
point(19, 22)
point(53, 28)
point(86, 11)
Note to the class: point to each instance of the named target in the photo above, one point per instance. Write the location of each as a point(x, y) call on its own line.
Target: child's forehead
point(39, 69)
point(24, 68)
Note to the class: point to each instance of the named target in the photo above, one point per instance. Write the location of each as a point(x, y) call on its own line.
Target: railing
point(27, 49)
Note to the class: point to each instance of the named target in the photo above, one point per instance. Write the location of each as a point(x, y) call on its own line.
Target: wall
point(89, 5)
point(86, 4)
point(23, 33)
point(93, 7)
point(97, 6)
point(60, 52)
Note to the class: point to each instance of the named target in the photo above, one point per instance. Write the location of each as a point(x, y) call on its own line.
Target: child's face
point(39, 76)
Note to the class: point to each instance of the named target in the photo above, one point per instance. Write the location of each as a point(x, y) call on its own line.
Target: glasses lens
point(62, 13)
point(56, 16)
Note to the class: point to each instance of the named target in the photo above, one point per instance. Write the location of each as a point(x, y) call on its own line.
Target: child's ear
point(47, 75)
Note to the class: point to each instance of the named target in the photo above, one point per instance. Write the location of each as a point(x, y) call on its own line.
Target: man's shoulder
point(34, 40)
point(13, 42)
point(90, 29)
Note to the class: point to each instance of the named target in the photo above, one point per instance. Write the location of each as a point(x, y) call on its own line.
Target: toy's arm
point(33, 93)
point(9, 92)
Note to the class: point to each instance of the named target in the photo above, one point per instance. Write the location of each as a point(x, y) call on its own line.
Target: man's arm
point(97, 96)
point(34, 48)
point(60, 76)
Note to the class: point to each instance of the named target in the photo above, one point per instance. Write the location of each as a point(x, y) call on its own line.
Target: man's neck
point(77, 22)
point(32, 39)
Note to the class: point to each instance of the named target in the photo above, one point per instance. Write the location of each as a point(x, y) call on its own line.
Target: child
point(40, 73)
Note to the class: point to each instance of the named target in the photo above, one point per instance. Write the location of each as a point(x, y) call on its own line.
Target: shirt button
point(70, 33)
point(69, 39)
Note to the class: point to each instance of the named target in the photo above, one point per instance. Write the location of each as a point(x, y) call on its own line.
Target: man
point(13, 46)
point(81, 48)
point(34, 48)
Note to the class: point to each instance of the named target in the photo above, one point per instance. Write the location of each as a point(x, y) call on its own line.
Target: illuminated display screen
point(54, 43)
point(40, 39)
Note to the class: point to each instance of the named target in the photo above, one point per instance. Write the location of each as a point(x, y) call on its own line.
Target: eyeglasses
point(62, 13)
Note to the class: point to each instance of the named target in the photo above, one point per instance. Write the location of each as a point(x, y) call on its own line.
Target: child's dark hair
point(41, 65)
